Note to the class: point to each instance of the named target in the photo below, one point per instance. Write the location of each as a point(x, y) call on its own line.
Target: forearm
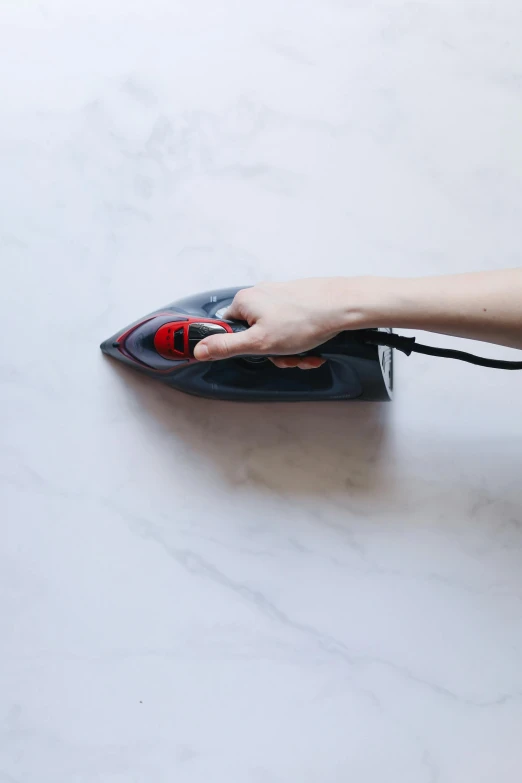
point(483, 306)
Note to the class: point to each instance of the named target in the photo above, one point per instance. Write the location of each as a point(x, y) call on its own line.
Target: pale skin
point(292, 317)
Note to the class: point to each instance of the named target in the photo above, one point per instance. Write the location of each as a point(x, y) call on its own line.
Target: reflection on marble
point(196, 591)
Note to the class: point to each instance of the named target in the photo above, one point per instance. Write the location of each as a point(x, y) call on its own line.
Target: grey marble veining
point(194, 591)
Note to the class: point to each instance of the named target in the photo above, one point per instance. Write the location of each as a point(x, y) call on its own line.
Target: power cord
point(409, 345)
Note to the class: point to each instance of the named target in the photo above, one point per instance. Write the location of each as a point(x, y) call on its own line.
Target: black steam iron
point(359, 363)
point(162, 343)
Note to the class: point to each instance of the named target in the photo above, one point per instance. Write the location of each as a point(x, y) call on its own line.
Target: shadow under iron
point(291, 447)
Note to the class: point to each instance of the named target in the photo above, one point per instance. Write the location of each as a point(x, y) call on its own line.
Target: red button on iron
point(170, 341)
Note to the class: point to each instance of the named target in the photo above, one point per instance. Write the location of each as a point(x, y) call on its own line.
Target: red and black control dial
point(177, 340)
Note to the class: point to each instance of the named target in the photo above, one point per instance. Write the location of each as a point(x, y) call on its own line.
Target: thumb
point(223, 346)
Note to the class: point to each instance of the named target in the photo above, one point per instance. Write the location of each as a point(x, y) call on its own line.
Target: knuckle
point(241, 297)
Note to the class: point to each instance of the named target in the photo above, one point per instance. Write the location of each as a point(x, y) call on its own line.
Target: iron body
point(161, 345)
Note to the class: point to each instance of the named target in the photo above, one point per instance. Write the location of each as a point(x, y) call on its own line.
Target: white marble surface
point(201, 592)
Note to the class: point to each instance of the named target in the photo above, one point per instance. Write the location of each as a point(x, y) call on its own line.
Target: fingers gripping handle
point(342, 343)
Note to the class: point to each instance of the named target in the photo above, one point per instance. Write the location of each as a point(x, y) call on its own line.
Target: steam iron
point(161, 345)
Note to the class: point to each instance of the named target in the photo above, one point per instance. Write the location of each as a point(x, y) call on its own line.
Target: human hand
point(286, 319)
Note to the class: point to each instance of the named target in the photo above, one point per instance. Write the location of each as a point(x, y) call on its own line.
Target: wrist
point(371, 302)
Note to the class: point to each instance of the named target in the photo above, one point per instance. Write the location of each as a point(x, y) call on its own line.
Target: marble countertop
point(204, 592)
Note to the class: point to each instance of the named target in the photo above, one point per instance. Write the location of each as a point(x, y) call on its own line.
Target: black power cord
point(409, 345)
